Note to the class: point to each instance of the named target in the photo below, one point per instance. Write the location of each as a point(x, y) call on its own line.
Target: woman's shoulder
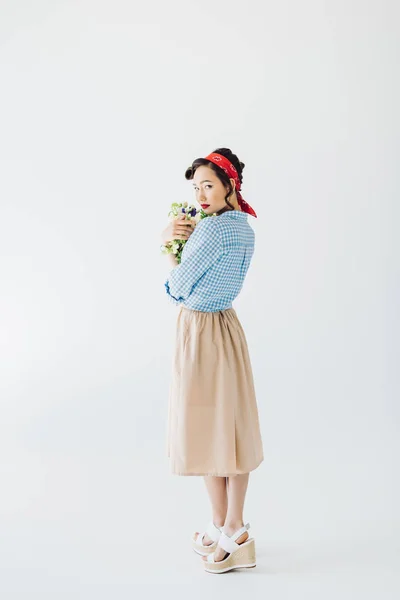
point(236, 235)
point(207, 227)
point(208, 222)
point(206, 235)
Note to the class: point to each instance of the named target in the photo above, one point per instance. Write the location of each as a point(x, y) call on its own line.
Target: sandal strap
point(213, 531)
point(228, 543)
point(210, 558)
point(199, 539)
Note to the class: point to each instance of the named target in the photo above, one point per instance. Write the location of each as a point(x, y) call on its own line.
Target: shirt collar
point(236, 214)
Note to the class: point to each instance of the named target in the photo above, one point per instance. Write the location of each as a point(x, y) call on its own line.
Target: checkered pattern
point(214, 263)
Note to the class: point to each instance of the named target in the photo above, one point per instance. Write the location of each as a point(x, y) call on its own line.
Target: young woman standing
point(213, 424)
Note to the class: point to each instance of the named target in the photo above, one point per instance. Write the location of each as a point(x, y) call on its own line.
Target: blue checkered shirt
point(214, 263)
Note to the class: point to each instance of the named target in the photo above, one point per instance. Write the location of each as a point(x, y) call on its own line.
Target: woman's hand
point(178, 229)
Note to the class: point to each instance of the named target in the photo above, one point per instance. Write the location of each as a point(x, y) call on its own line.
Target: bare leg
point(216, 487)
point(237, 488)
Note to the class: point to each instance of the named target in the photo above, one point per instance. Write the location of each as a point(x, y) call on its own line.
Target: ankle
point(232, 525)
point(218, 521)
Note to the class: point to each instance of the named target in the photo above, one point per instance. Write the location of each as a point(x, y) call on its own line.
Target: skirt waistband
point(207, 312)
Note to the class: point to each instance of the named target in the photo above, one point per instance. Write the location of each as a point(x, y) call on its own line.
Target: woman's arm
point(201, 251)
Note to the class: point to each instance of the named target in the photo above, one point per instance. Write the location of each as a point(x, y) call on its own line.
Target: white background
point(103, 106)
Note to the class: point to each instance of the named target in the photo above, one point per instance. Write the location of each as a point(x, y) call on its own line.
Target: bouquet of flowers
point(191, 214)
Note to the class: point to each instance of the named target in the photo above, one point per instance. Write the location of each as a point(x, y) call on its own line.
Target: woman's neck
point(233, 201)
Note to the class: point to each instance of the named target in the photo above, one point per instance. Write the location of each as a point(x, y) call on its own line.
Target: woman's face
point(210, 190)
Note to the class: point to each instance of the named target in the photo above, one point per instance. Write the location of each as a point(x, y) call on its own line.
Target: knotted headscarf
point(226, 165)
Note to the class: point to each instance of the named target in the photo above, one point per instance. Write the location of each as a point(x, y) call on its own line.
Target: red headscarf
point(226, 165)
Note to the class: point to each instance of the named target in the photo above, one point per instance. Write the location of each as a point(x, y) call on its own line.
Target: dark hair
point(222, 176)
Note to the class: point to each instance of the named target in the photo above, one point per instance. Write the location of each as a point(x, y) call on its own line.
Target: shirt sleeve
point(201, 251)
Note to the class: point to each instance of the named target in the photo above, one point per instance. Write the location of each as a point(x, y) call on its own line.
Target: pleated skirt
point(213, 423)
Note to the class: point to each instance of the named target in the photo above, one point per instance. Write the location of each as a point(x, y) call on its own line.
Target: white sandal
point(213, 533)
point(240, 555)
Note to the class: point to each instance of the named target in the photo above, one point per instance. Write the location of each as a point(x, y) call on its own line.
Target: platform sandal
point(240, 555)
point(213, 533)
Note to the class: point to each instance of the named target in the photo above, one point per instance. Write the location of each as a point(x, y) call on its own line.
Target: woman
point(213, 425)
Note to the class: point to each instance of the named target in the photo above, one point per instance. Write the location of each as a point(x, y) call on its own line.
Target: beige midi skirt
point(213, 424)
